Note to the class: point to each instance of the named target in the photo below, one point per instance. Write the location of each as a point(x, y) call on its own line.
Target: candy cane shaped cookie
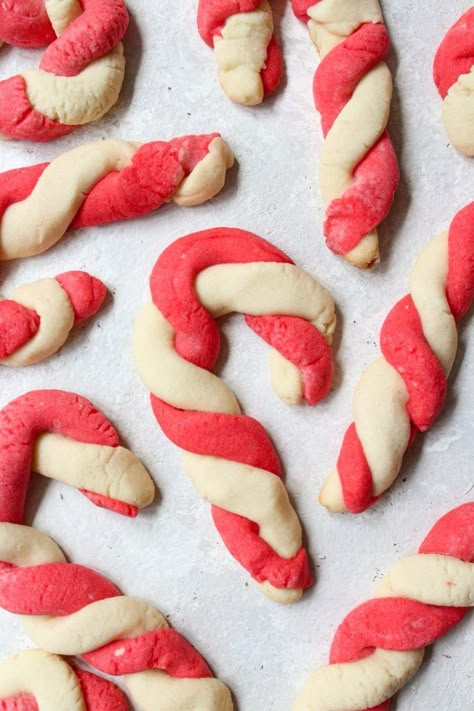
point(248, 57)
point(80, 73)
point(37, 681)
point(228, 455)
point(35, 320)
point(103, 182)
point(380, 645)
point(453, 73)
point(358, 171)
point(64, 437)
point(403, 392)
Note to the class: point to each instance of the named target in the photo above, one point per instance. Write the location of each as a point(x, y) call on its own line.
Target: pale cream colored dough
point(241, 53)
point(36, 223)
point(431, 579)
point(54, 308)
point(364, 118)
point(257, 289)
point(102, 622)
point(111, 471)
point(47, 677)
point(379, 404)
point(458, 114)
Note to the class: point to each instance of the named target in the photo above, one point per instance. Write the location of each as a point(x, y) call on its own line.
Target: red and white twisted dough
point(38, 681)
point(80, 73)
point(104, 182)
point(69, 609)
point(453, 73)
point(248, 57)
point(228, 455)
point(35, 319)
point(358, 170)
point(380, 645)
point(404, 392)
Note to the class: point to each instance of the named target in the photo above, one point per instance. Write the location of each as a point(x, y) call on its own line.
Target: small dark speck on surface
point(188, 113)
point(447, 656)
point(61, 497)
point(169, 88)
point(246, 585)
point(404, 479)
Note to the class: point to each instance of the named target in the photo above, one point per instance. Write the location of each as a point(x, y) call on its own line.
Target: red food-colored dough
point(404, 346)
point(455, 55)
point(400, 624)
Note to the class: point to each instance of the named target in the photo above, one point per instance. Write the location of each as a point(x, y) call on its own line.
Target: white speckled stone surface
point(171, 554)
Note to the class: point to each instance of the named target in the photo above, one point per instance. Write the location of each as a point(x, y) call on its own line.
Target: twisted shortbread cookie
point(380, 644)
point(64, 437)
point(247, 55)
point(80, 74)
point(69, 609)
point(358, 171)
point(35, 320)
point(103, 182)
point(453, 72)
point(404, 391)
point(228, 455)
point(37, 681)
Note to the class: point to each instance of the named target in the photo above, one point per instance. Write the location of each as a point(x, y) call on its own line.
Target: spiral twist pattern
point(35, 320)
point(104, 182)
point(228, 455)
point(37, 681)
point(80, 73)
point(453, 73)
point(352, 87)
point(380, 645)
point(404, 392)
point(248, 57)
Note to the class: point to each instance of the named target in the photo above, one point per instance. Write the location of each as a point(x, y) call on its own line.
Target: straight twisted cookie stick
point(80, 74)
point(403, 392)
point(69, 609)
point(36, 319)
point(104, 182)
point(380, 645)
point(247, 55)
point(453, 72)
point(228, 455)
point(37, 681)
point(358, 171)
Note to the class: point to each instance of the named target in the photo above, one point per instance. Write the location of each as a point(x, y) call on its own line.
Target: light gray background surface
point(171, 554)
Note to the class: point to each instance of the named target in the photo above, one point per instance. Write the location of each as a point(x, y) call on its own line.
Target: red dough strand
point(18, 325)
point(455, 55)
point(25, 23)
point(405, 347)
point(400, 624)
point(23, 419)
